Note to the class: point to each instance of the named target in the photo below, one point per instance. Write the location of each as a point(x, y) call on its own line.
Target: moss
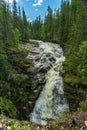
point(74, 79)
point(71, 79)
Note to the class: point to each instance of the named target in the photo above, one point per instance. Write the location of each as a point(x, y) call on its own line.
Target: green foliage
point(48, 25)
point(25, 27)
point(14, 126)
point(13, 28)
point(83, 106)
point(37, 29)
point(16, 37)
point(5, 67)
point(62, 128)
point(7, 107)
point(82, 67)
point(14, 82)
point(18, 125)
point(27, 128)
point(71, 79)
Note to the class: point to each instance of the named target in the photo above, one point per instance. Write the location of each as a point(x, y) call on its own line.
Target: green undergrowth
point(7, 107)
point(20, 126)
point(15, 81)
point(71, 79)
point(75, 89)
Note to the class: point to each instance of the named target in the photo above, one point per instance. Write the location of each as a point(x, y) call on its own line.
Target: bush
point(7, 107)
point(14, 126)
point(83, 106)
point(19, 126)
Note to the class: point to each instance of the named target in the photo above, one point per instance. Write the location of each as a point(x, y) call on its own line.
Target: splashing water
point(51, 102)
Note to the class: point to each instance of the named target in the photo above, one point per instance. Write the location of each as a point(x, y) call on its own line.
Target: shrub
point(7, 107)
point(83, 106)
point(14, 126)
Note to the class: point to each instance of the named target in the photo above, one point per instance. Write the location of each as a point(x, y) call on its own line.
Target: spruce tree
point(25, 27)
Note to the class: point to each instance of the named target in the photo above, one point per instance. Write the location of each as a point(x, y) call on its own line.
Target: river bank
point(74, 121)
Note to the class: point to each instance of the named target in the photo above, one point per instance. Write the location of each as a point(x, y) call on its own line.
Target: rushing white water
point(51, 102)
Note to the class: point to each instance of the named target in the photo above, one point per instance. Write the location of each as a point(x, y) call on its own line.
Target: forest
point(67, 27)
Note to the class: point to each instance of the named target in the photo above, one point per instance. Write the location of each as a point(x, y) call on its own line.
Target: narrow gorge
point(47, 59)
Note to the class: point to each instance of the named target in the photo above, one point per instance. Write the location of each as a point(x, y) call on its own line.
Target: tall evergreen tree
point(48, 24)
point(25, 27)
point(15, 18)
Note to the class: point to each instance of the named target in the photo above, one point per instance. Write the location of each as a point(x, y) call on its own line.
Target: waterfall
point(51, 102)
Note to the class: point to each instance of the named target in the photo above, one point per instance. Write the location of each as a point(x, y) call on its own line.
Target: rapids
point(51, 103)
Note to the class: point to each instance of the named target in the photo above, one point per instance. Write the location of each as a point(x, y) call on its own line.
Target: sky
point(34, 8)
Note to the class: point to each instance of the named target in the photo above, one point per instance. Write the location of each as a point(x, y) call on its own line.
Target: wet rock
point(85, 123)
point(1, 126)
point(42, 70)
point(48, 60)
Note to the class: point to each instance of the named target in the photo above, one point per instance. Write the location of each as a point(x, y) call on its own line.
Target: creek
point(51, 103)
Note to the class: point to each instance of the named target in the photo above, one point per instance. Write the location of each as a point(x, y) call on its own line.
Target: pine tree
point(63, 23)
point(48, 25)
point(15, 18)
point(25, 27)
